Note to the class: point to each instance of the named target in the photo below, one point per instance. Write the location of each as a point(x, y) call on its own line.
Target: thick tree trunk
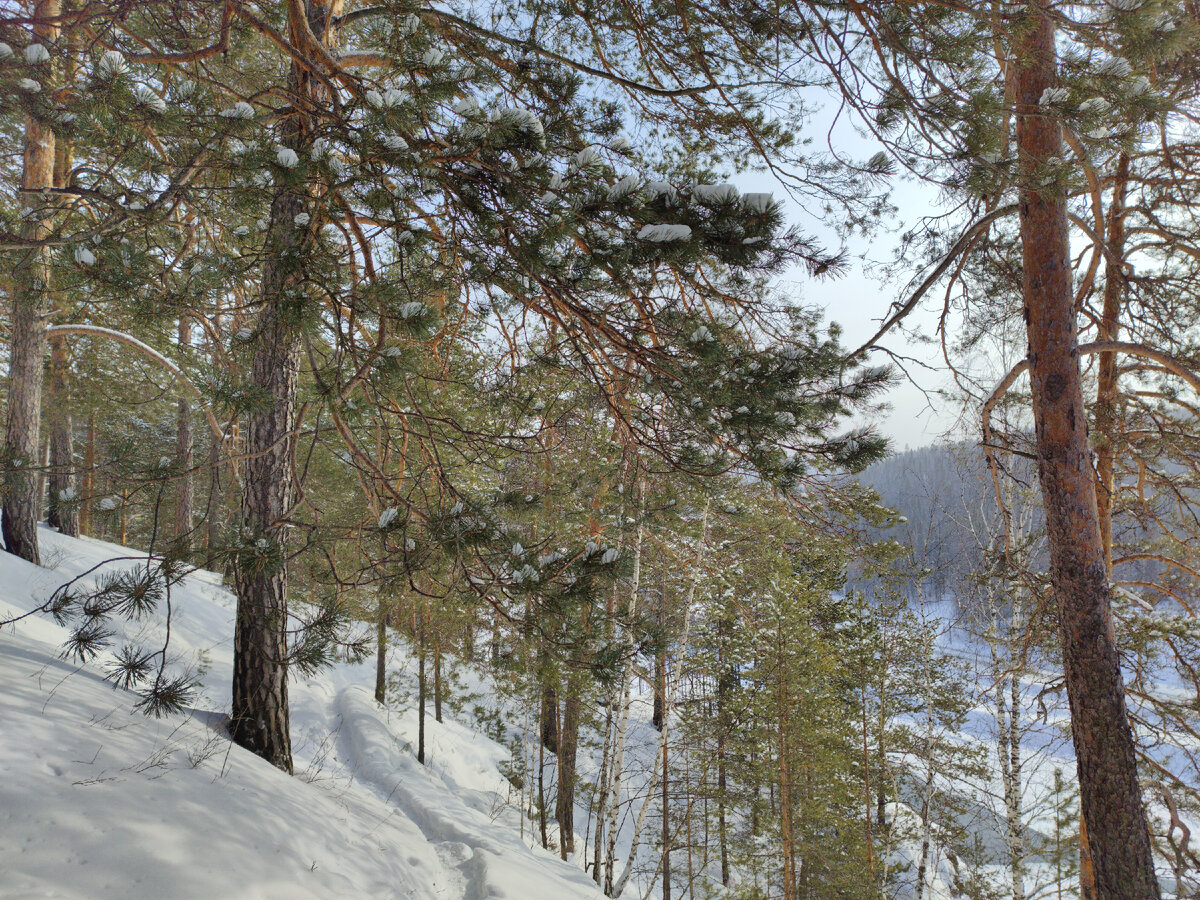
point(31, 278)
point(184, 514)
point(260, 708)
point(568, 746)
point(549, 716)
point(62, 510)
point(63, 507)
point(1111, 797)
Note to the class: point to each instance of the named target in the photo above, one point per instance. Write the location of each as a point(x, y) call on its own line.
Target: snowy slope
point(99, 801)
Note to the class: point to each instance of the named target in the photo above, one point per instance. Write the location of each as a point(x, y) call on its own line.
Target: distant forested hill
point(947, 497)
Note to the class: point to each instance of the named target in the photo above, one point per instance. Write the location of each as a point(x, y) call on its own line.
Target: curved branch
point(149, 352)
point(1168, 362)
point(960, 246)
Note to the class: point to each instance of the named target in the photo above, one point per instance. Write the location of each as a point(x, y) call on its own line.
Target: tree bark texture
point(184, 514)
point(31, 276)
point(63, 507)
point(549, 716)
point(260, 708)
point(89, 477)
point(1111, 797)
point(62, 511)
point(568, 746)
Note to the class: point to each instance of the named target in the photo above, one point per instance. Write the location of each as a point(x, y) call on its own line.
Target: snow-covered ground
point(98, 800)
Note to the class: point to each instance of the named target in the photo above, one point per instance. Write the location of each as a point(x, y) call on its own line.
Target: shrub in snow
point(434, 56)
point(6, 51)
point(287, 157)
point(394, 142)
point(84, 256)
point(29, 85)
point(387, 517)
point(301, 219)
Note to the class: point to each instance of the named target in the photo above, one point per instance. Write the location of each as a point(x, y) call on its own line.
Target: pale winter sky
point(858, 301)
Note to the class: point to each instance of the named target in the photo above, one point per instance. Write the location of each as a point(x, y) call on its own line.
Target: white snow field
point(99, 801)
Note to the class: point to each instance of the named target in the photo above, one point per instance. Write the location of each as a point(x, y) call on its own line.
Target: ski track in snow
point(98, 801)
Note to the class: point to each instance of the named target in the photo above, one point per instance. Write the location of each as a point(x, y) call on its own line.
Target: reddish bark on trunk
point(1111, 797)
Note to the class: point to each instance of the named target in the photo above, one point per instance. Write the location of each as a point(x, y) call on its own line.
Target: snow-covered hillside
point(99, 801)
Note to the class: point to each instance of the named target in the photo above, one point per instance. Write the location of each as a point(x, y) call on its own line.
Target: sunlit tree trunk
point(62, 510)
point(31, 279)
point(1111, 797)
point(259, 721)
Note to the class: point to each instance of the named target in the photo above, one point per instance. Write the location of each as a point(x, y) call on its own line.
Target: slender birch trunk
point(618, 762)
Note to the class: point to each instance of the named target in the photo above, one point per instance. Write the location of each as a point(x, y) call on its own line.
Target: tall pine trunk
point(1111, 798)
point(184, 514)
point(549, 715)
point(62, 510)
point(259, 720)
point(421, 693)
point(31, 279)
point(381, 619)
point(568, 746)
point(89, 477)
point(63, 506)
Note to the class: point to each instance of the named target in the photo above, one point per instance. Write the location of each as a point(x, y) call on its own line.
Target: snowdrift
point(99, 801)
